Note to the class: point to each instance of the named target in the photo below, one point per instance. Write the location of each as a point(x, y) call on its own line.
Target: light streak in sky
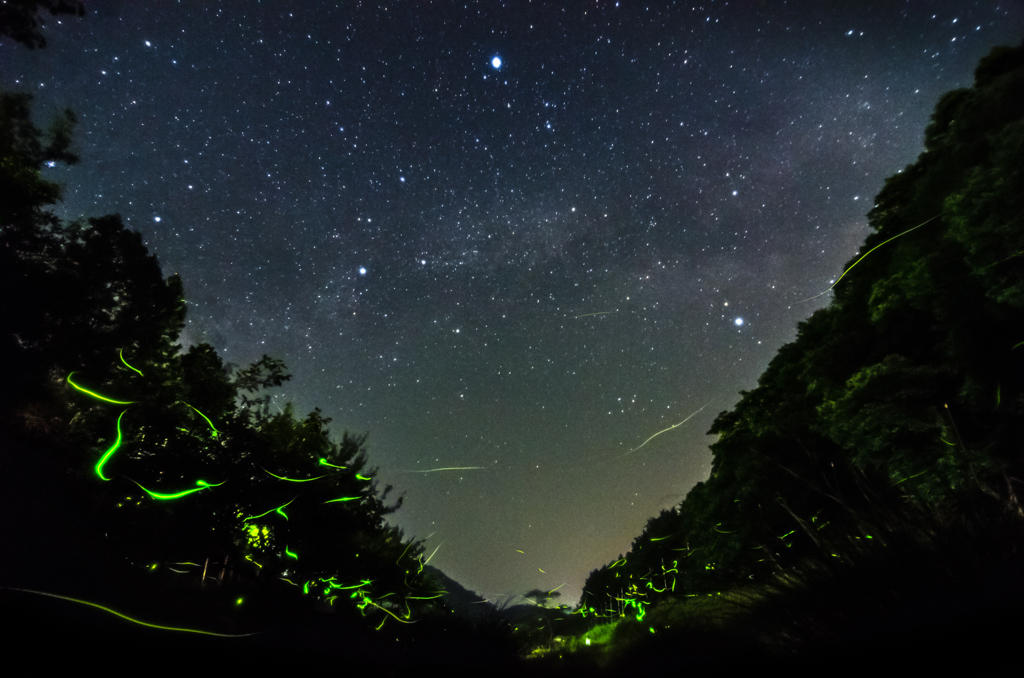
point(435, 551)
point(450, 468)
point(584, 315)
point(669, 428)
point(867, 253)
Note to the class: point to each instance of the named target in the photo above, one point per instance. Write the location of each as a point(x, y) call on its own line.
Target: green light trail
point(299, 480)
point(129, 366)
point(132, 620)
point(289, 553)
point(668, 429)
point(435, 551)
point(276, 508)
point(866, 254)
point(331, 501)
point(215, 431)
point(97, 395)
point(325, 463)
point(176, 495)
point(113, 448)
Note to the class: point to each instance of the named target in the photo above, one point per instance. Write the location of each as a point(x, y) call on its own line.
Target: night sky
point(513, 238)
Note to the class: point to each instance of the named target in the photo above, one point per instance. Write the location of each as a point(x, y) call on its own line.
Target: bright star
point(496, 62)
point(362, 270)
point(738, 321)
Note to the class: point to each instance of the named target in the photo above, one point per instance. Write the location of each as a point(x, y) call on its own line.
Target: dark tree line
point(903, 398)
point(161, 455)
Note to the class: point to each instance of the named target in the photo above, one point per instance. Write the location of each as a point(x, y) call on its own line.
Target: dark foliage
point(901, 404)
point(20, 20)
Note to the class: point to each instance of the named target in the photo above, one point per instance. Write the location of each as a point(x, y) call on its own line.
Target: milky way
point(511, 241)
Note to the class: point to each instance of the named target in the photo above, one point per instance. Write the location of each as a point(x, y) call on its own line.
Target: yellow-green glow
point(617, 563)
point(134, 621)
point(97, 395)
point(113, 448)
point(129, 366)
point(288, 552)
point(432, 555)
point(909, 477)
point(668, 429)
point(867, 253)
point(214, 428)
point(277, 509)
point(177, 495)
point(331, 501)
point(362, 477)
point(299, 480)
point(325, 463)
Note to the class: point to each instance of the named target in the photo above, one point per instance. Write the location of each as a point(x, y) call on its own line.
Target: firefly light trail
point(669, 428)
point(450, 468)
point(113, 448)
point(132, 620)
point(98, 396)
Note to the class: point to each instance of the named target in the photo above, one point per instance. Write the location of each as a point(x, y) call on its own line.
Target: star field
point(513, 240)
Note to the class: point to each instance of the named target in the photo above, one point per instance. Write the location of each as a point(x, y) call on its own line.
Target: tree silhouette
point(168, 456)
point(20, 21)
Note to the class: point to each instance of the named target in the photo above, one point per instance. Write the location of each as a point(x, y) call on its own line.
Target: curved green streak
point(129, 366)
point(215, 431)
point(324, 462)
point(113, 448)
point(289, 553)
point(276, 508)
point(866, 254)
point(362, 477)
point(296, 480)
point(97, 395)
point(177, 495)
point(135, 621)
